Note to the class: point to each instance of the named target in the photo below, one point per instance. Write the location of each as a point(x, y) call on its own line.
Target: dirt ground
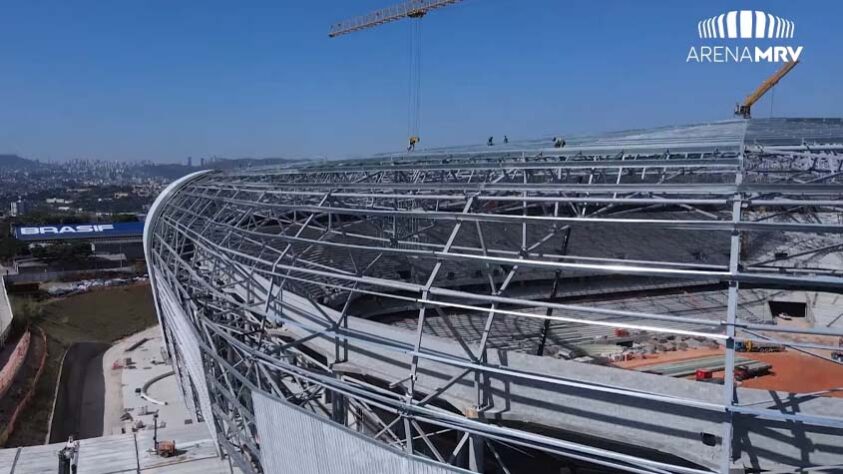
point(23, 382)
point(103, 315)
point(792, 371)
point(796, 372)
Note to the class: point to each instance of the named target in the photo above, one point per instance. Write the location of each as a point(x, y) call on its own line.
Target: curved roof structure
point(428, 305)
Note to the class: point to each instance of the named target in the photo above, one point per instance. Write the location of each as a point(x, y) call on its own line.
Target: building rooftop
point(197, 453)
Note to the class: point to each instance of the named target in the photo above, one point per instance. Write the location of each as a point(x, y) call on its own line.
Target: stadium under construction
point(462, 309)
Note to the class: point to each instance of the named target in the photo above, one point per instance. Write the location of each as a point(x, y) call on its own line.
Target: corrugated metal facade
point(186, 342)
point(294, 441)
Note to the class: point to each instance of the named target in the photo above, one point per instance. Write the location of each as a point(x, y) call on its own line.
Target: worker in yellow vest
point(413, 140)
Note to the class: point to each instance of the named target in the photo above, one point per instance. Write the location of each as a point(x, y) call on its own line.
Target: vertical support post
point(554, 289)
point(338, 405)
point(155, 432)
point(546, 324)
point(729, 393)
point(476, 453)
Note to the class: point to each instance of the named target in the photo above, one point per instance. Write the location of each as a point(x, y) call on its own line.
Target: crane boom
point(408, 9)
point(745, 109)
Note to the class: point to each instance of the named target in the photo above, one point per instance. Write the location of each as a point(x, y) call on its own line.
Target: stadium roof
point(304, 267)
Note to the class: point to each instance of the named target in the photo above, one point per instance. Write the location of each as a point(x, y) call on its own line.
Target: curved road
point(80, 399)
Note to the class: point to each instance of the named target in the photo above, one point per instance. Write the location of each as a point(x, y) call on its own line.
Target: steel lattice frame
point(227, 247)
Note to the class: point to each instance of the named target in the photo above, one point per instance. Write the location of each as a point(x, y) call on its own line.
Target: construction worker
point(491, 141)
point(413, 141)
point(69, 456)
point(505, 139)
point(558, 142)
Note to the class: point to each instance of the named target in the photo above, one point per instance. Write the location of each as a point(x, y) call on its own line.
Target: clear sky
point(163, 79)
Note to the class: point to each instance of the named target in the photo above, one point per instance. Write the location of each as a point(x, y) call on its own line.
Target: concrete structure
point(125, 453)
point(364, 307)
point(17, 208)
point(148, 371)
point(5, 312)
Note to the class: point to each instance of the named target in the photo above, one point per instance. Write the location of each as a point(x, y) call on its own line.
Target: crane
point(745, 109)
point(414, 10)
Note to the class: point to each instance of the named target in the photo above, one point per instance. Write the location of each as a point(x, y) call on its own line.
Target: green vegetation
point(63, 252)
point(27, 312)
point(124, 218)
point(104, 315)
point(9, 246)
point(40, 217)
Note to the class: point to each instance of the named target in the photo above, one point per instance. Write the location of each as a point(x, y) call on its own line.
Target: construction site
point(658, 300)
point(650, 301)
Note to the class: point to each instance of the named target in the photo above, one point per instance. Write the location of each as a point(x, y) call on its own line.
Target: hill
point(16, 163)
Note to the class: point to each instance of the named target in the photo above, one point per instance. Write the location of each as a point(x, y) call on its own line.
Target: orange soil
point(797, 373)
point(791, 372)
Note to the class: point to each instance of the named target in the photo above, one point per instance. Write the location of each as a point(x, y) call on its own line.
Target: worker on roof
point(558, 142)
point(71, 453)
point(413, 141)
point(491, 141)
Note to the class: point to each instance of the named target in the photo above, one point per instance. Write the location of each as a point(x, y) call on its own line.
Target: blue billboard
point(79, 231)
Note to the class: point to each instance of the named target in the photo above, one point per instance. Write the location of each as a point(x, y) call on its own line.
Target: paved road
point(80, 401)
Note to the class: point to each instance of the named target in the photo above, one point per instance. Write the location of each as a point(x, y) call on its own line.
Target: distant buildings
point(17, 208)
point(58, 201)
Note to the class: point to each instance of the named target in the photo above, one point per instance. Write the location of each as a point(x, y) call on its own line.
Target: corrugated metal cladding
point(294, 441)
point(187, 343)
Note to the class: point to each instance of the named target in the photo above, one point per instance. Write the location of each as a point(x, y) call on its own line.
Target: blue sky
point(162, 80)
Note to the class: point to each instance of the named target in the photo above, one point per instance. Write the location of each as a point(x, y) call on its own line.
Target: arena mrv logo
point(719, 32)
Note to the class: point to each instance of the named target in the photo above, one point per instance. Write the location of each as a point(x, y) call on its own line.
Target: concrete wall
point(5, 312)
point(38, 345)
point(13, 365)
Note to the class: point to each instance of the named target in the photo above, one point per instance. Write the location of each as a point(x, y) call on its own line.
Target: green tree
point(63, 252)
point(25, 312)
point(124, 218)
point(9, 246)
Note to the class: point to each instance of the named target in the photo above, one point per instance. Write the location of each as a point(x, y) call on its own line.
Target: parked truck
point(753, 346)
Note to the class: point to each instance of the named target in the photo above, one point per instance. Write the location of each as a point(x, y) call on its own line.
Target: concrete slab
point(192, 442)
point(122, 453)
point(664, 427)
point(199, 466)
point(7, 460)
point(107, 454)
point(38, 459)
point(122, 383)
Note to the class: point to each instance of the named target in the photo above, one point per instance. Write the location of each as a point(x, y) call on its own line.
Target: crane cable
point(772, 100)
point(414, 89)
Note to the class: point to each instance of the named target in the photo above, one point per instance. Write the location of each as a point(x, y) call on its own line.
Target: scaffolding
point(264, 281)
